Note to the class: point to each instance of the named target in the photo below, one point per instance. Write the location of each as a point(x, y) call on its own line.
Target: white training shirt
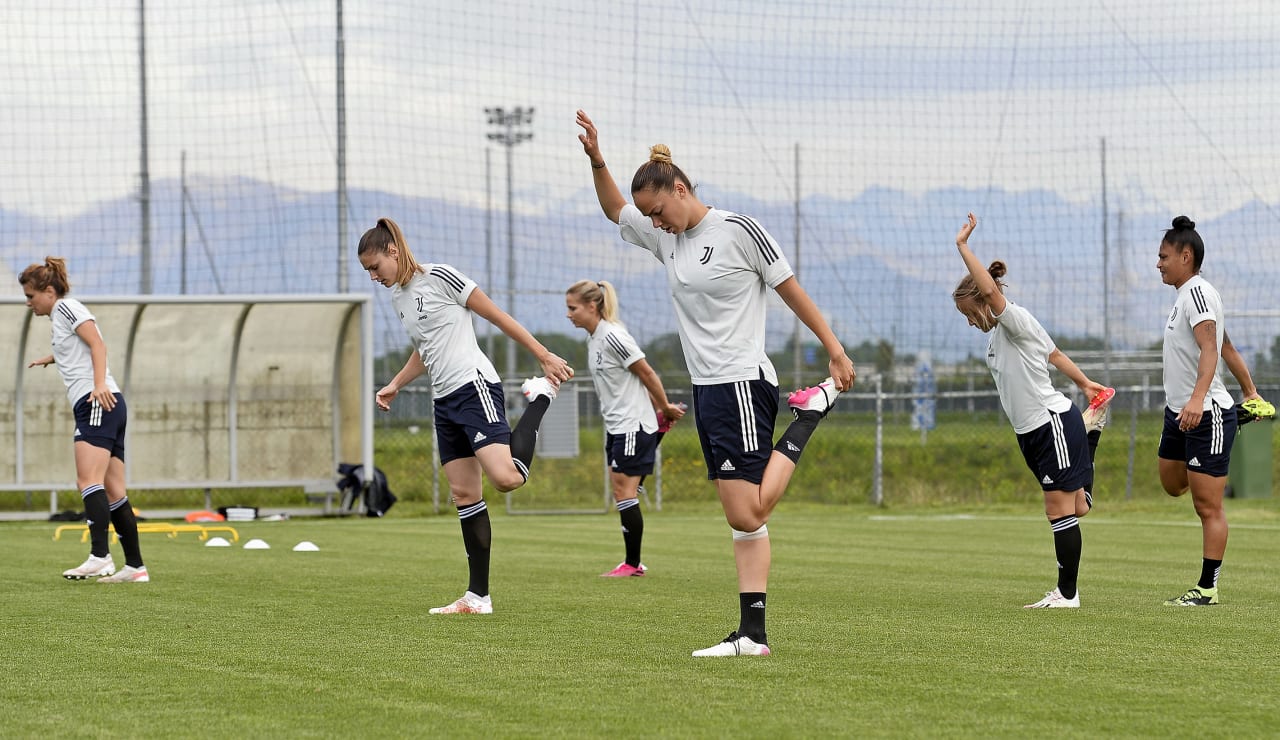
point(718, 273)
point(1197, 302)
point(70, 353)
point(624, 401)
point(433, 309)
point(1018, 355)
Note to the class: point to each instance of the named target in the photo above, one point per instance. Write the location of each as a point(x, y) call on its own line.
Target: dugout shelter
point(224, 392)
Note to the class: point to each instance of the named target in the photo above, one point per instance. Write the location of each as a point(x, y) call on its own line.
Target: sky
point(888, 104)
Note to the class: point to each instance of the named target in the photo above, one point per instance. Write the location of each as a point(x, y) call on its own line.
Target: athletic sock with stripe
point(97, 514)
point(477, 536)
point(1067, 545)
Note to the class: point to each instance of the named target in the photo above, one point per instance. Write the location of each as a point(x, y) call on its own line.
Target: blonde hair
point(599, 294)
point(379, 240)
point(52, 273)
point(659, 173)
point(968, 287)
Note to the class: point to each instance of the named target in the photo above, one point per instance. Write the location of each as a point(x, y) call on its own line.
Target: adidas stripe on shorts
point(99, 427)
point(1058, 452)
point(632, 453)
point(469, 418)
point(1205, 449)
point(735, 425)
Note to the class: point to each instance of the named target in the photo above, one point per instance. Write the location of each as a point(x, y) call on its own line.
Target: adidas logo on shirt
point(727, 466)
point(758, 605)
point(1046, 479)
point(479, 437)
point(1194, 461)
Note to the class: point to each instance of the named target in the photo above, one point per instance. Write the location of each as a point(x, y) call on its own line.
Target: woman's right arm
point(611, 200)
point(413, 367)
point(1236, 364)
point(986, 284)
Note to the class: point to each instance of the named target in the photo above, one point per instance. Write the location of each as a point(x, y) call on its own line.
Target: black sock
point(751, 616)
point(524, 438)
point(1067, 544)
point(126, 525)
point(477, 535)
point(97, 514)
point(632, 529)
point(797, 435)
point(1209, 573)
point(1093, 437)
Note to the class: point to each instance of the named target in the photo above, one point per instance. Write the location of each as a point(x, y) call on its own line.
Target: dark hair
point(379, 240)
point(968, 287)
point(1183, 236)
point(659, 173)
point(52, 273)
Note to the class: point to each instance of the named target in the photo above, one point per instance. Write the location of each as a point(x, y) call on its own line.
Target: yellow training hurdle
point(172, 530)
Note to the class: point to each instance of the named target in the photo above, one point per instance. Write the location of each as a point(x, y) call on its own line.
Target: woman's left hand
point(556, 369)
point(103, 396)
point(842, 372)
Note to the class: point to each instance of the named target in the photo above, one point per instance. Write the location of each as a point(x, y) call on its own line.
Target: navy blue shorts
point(469, 418)
point(735, 426)
point(631, 453)
point(1058, 452)
point(1205, 449)
point(99, 427)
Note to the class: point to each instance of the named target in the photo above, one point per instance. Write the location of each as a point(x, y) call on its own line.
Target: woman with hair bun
point(1052, 433)
point(719, 268)
point(1200, 417)
point(629, 391)
point(101, 417)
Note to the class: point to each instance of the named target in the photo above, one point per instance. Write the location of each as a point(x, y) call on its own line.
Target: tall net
point(859, 134)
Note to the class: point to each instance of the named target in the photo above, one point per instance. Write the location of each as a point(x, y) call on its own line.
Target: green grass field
point(882, 624)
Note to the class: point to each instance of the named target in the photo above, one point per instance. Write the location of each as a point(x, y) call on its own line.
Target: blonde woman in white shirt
point(719, 267)
point(1051, 431)
point(629, 391)
point(1200, 417)
point(101, 417)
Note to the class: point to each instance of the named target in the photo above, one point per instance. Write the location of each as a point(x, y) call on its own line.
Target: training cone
point(217, 542)
point(256, 544)
point(306, 546)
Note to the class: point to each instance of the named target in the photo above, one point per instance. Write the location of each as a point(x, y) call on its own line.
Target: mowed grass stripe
point(888, 627)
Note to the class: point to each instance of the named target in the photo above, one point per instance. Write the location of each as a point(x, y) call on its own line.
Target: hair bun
point(1182, 222)
point(660, 153)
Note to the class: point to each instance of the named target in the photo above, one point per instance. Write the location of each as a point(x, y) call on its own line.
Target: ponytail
point(380, 239)
point(53, 273)
point(601, 294)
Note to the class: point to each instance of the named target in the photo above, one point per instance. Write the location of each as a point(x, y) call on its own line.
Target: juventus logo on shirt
point(706, 255)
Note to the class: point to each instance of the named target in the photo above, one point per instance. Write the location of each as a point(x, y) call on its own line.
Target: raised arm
point(986, 284)
point(607, 192)
point(553, 366)
point(1236, 364)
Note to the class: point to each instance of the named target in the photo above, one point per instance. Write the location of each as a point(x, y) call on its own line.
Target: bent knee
point(745, 523)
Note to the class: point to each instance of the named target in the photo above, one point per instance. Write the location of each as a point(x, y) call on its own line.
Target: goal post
point(233, 391)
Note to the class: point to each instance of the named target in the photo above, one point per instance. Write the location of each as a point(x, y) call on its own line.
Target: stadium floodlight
point(508, 122)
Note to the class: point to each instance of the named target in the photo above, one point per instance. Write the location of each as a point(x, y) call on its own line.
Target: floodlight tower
point(509, 134)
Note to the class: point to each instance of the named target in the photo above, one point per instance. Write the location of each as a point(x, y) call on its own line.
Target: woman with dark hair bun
point(1056, 440)
point(1200, 417)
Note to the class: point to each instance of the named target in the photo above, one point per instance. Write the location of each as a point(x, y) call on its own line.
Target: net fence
point(859, 134)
